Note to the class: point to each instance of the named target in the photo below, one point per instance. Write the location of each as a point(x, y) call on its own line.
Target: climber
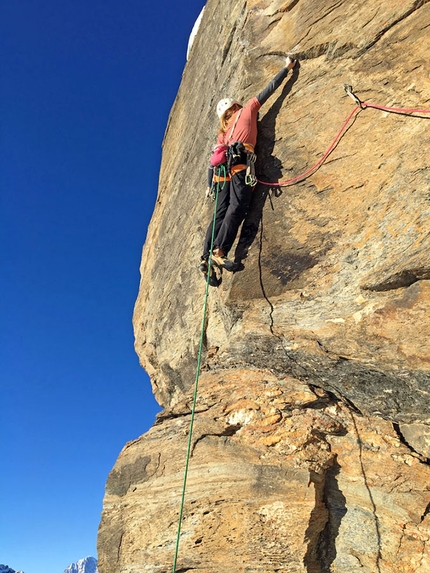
point(232, 165)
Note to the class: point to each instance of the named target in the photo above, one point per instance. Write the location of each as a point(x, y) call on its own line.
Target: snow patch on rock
point(194, 31)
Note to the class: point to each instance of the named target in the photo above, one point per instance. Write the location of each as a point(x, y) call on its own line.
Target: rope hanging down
point(196, 382)
point(360, 106)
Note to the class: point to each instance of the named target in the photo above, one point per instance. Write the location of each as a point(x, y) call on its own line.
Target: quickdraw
point(250, 177)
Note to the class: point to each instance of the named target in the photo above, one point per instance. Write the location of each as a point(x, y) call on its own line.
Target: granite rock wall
point(312, 436)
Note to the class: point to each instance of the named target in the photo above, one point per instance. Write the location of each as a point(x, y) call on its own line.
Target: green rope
point(196, 383)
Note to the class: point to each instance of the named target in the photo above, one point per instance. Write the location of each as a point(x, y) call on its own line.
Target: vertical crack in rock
point(317, 523)
point(227, 46)
point(335, 503)
point(371, 498)
point(119, 546)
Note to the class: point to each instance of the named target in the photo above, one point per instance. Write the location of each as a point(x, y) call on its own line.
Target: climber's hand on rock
point(208, 192)
point(290, 63)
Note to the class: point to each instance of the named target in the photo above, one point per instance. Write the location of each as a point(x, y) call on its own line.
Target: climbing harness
point(359, 107)
point(236, 154)
point(196, 381)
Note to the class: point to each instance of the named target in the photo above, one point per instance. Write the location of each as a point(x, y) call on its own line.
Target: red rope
point(394, 109)
point(363, 105)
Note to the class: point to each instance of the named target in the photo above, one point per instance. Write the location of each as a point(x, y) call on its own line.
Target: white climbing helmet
point(224, 105)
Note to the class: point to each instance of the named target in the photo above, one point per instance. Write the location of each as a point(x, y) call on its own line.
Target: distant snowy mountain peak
point(87, 565)
point(7, 569)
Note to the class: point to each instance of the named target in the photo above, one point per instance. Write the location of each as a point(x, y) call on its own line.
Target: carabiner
point(348, 91)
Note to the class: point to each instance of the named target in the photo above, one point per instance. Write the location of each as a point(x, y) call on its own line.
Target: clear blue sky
point(86, 88)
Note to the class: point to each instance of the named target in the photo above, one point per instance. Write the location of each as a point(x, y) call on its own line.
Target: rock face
point(311, 441)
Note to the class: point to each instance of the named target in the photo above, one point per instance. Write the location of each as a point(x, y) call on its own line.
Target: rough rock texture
point(282, 478)
point(311, 443)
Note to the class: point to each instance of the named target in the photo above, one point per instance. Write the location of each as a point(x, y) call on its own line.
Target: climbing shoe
point(224, 263)
point(213, 280)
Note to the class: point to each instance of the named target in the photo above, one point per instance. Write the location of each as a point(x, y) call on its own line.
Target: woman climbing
point(231, 163)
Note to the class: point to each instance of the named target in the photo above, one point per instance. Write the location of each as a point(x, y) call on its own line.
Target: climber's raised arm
point(264, 95)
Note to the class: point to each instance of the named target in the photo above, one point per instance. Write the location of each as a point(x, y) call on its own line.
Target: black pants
point(233, 202)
